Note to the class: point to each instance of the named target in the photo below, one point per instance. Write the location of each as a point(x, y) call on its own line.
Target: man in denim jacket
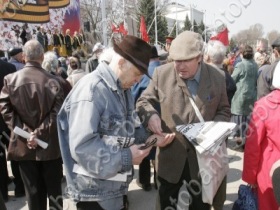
point(96, 129)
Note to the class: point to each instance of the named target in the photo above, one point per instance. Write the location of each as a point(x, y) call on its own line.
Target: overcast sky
point(239, 14)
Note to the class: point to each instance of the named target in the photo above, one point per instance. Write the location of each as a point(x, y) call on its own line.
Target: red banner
point(222, 37)
point(143, 30)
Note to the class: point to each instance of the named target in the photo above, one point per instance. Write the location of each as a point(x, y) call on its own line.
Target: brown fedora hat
point(135, 50)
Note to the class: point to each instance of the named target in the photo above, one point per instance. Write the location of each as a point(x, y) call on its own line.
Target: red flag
point(122, 29)
point(222, 37)
point(114, 28)
point(143, 30)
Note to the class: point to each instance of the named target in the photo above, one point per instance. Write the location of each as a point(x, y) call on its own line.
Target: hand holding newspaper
point(27, 135)
point(206, 136)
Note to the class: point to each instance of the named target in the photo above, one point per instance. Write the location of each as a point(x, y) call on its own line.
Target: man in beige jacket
point(172, 86)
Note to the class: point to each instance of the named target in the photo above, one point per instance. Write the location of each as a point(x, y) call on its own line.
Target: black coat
point(5, 69)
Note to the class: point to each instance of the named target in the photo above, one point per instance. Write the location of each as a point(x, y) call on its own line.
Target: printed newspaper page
point(208, 135)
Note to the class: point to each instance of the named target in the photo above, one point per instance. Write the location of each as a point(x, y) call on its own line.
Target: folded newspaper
point(207, 136)
point(27, 135)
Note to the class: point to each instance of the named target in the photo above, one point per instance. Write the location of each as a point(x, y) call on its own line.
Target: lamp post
point(176, 19)
point(205, 25)
point(192, 6)
point(104, 22)
point(156, 35)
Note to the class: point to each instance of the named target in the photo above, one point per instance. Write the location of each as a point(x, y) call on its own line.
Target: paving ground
point(140, 199)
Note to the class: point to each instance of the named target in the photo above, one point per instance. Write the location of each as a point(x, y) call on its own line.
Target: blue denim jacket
point(95, 107)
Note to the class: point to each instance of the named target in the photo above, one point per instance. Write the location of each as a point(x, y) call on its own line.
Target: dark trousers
point(88, 206)
point(42, 179)
point(2, 203)
point(3, 172)
point(168, 193)
point(93, 205)
point(145, 172)
point(19, 187)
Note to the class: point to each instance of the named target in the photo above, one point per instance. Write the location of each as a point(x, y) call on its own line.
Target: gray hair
point(106, 55)
point(62, 60)
point(216, 51)
point(33, 50)
point(50, 63)
point(115, 57)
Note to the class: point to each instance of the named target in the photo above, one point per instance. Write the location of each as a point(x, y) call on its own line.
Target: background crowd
point(239, 85)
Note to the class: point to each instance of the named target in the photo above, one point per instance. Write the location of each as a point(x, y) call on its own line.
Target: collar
point(12, 59)
point(108, 76)
point(33, 64)
point(197, 74)
point(182, 82)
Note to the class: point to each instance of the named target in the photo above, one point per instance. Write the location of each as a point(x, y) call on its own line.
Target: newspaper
point(27, 135)
point(207, 136)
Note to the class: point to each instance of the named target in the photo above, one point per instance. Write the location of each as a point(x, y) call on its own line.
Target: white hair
point(50, 63)
point(216, 51)
point(107, 55)
point(32, 50)
point(115, 59)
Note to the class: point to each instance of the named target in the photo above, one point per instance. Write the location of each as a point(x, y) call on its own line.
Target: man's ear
point(199, 58)
point(42, 56)
point(206, 58)
point(121, 62)
point(277, 54)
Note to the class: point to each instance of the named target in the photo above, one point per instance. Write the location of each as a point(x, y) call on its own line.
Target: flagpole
point(123, 14)
point(192, 18)
point(176, 19)
point(104, 22)
point(156, 35)
point(205, 26)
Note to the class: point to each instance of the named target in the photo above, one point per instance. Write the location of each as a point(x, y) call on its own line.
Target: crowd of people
point(64, 42)
point(99, 113)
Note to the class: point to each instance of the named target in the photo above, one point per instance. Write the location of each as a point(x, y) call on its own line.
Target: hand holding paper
point(27, 135)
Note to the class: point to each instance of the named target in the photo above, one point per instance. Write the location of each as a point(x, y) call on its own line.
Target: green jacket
point(245, 75)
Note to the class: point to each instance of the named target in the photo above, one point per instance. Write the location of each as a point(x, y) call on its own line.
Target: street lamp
point(104, 22)
point(191, 8)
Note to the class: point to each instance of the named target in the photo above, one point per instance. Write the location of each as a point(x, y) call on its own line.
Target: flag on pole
point(143, 30)
point(114, 28)
point(222, 37)
point(122, 29)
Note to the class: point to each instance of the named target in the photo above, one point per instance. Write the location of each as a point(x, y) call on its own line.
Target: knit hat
point(135, 50)
point(186, 45)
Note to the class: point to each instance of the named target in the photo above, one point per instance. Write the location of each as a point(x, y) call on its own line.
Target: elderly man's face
point(187, 68)
point(167, 46)
point(19, 57)
point(129, 75)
